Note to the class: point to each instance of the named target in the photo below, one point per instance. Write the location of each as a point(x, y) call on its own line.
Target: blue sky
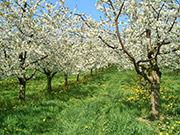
point(84, 6)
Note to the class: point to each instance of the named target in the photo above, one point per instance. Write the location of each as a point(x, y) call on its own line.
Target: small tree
point(21, 40)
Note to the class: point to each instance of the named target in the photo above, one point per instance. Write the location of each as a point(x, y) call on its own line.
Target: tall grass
point(109, 103)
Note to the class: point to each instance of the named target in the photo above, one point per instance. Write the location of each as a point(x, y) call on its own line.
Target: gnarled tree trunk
point(155, 95)
point(22, 82)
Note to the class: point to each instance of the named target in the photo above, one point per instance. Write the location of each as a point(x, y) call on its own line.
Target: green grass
point(110, 103)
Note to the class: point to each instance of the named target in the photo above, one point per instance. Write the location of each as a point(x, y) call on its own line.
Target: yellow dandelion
point(44, 120)
point(172, 128)
point(86, 127)
point(167, 133)
point(160, 133)
point(167, 122)
point(162, 128)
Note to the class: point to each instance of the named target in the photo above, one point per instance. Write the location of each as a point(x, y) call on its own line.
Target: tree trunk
point(142, 81)
point(77, 77)
point(91, 72)
point(102, 69)
point(65, 79)
point(155, 95)
point(49, 87)
point(22, 82)
point(96, 70)
point(49, 74)
point(147, 87)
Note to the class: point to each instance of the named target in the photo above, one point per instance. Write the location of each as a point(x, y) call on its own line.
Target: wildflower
point(162, 128)
point(167, 133)
point(160, 133)
point(92, 121)
point(86, 127)
point(172, 128)
point(18, 129)
point(44, 120)
point(167, 122)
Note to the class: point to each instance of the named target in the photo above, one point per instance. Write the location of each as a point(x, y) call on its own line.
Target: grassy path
point(108, 104)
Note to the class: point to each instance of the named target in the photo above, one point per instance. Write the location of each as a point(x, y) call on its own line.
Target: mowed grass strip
point(109, 103)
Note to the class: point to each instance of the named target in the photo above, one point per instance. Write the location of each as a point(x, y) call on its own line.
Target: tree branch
point(23, 8)
point(31, 75)
point(173, 21)
point(143, 61)
point(111, 4)
point(98, 36)
point(174, 50)
point(106, 43)
point(39, 59)
point(53, 74)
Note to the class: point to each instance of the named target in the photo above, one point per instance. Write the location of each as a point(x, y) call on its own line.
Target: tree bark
point(77, 77)
point(155, 95)
point(49, 74)
point(22, 82)
point(65, 79)
point(49, 86)
point(84, 76)
point(102, 69)
point(91, 72)
point(142, 81)
point(96, 70)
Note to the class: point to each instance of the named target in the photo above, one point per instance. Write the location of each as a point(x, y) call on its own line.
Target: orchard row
point(37, 35)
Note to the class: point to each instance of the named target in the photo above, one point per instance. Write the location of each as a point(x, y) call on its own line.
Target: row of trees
point(51, 38)
point(36, 35)
point(149, 41)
